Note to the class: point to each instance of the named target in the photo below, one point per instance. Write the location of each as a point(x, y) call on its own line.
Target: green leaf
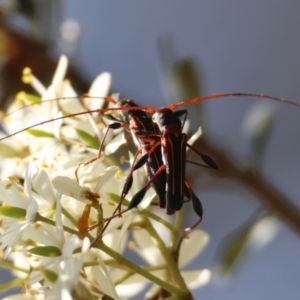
point(258, 125)
point(12, 212)
point(40, 133)
point(186, 85)
point(88, 139)
point(50, 275)
point(48, 251)
point(238, 242)
point(261, 138)
point(116, 198)
point(33, 99)
point(233, 250)
point(186, 78)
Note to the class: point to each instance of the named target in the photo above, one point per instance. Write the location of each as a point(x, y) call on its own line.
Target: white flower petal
point(70, 245)
point(66, 185)
point(124, 229)
point(61, 70)
point(11, 236)
point(196, 278)
point(70, 103)
point(27, 182)
point(192, 246)
point(195, 136)
point(11, 196)
point(111, 290)
point(103, 279)
point(146, 248)
point(104, 177)
point(264, 231)
point(42, 184)
point(101, 85)
point(85, 246)
point(136, 285)
point(31, 211)
point(66, 295)
point(186, 126)
point(114, 144)
point(59, 223)
point(150, 195)
point(37, 85)
point(257, 119)
point(99, 88)
point(115, 240)
point(44, 235)
point(117, 222)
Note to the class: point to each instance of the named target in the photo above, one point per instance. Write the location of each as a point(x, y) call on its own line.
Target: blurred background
point(168, 51)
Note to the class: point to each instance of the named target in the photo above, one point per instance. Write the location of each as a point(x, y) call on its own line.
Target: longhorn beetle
point(173, 145)
point(147, 138)
point(172, 140)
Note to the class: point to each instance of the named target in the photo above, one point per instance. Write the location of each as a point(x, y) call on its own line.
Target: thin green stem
point(99, 212)
point(113, 263)
point(176, 229)
point(69, 216)
point(131, 273)
point(11, 284)
point(123, 278)
point(167, 254)
point(40, 218)
point(160, 220)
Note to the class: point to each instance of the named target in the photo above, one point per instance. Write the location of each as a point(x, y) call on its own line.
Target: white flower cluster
point(47, 213)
